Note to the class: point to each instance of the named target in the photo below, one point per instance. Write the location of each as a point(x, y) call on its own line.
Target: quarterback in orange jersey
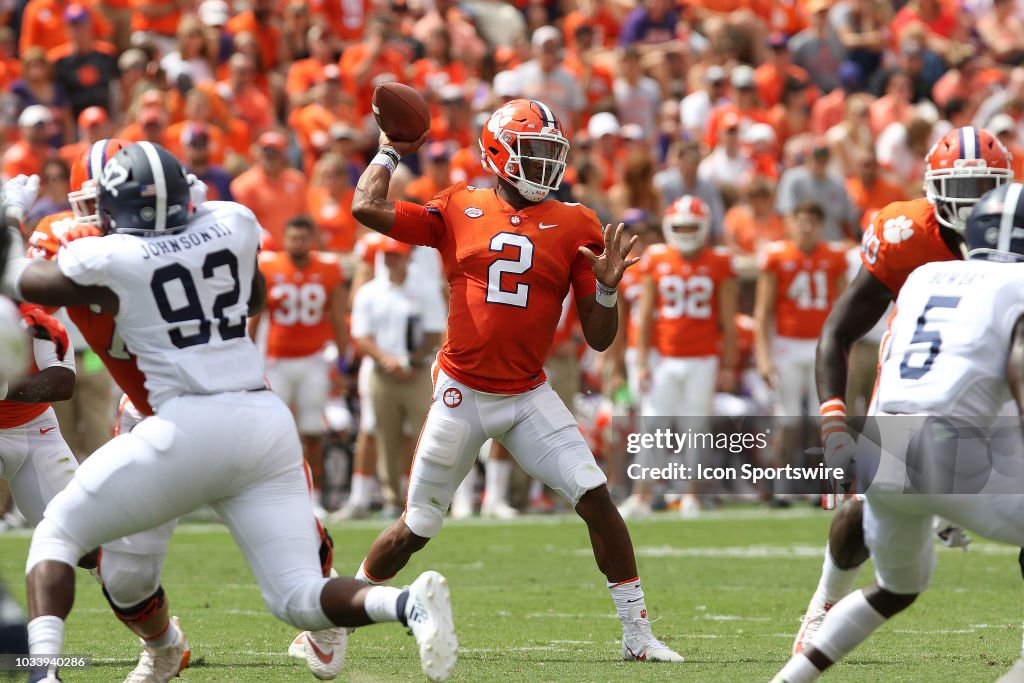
point(306, 304)
point(799, 279)
point(962, 166)
point(510, 256)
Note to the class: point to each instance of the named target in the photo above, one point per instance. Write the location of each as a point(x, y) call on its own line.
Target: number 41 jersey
point(183, 299)
point(950, 339)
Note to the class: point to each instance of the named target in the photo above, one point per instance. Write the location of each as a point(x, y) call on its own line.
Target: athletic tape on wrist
point(833, 416)
point(387, 157)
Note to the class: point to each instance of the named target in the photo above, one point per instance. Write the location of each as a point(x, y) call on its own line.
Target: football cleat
point(498, 509)
point(161, 664)
point(325, 651)
point(428, 612)
point(634, 508)
point(812, 621)
point(297, 650)
point(639, 643)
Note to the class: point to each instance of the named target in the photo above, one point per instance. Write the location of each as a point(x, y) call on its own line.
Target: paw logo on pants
point(452, 397)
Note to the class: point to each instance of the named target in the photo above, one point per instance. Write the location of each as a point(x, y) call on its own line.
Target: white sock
point(536, 489)
point(361, 575)
point(835, 583)
point(846, 626)
point(361, 485)
point(464, 494)
point(46, 635)
point(629, 599)
point(798, 670)
point(381, 603)
point(496, 478)
point(168, 637)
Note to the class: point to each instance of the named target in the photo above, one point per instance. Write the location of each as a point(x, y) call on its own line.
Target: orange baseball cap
point(92, 116)
point(273, 139)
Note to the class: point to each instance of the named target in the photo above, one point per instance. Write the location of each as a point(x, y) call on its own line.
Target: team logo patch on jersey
point(452, 397)
point(515, 219)
point(897, 229)
point(474, 212)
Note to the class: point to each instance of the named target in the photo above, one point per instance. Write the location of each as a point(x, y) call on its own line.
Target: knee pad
point(435, 471)
point(301, 607)
point(49, 542)
point(129, 579)
point(140, 611)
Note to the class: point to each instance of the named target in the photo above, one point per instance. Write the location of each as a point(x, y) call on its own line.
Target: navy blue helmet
point(995, 228)
point(143, 191)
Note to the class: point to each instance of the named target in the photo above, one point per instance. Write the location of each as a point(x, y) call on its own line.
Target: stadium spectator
point(810, 182)
point(651, 22)
point(589, 189)
point(603, 133)
point(595, 78)
point(895, 105)
point(448, 19)
point(304, 74)
point(681, 179)
point(398, 324)
point(941, 24)
point(84, 67)
point(295, 27)
point(792, 115)
point(43, 25)
point(816, 49)
point(93, 125)
point(38, 86)
point(26, 156)
point(901, 148)
point(270, 188)
point(155, 22)
point(771, 77)
point(828, 110)
point(195, 56)
point(637, 189)
point(695, 108)
point(260, 20)
point(195, 144)
point(744, 103)
point(437, 175)
point(728, 163)
point(198, 111)
point(862, 27)
point(850, 134)
point(637, 97)
point(439, 66)
point(869, 190)
point(1006, 129)
point(545, 78)
point(374, 60)
point(251, 105)
point(753, 223)
point(330, 204)
point(55, 183)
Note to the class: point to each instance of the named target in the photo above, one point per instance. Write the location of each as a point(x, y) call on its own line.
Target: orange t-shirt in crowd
point(872, 199)
point(429, 77)
point(367, 247)
point(98, 329)
point(267, 36)
point(298, 302)
point(770, 80)
point(334, 219)
point(303, 75)
point(903, 236)
point(509, 272)
point(172, 138)
point(166, 25)
point(805, 285)
point(603, 22)
point(347, 19)
point(828, 111)
point(749, 233)
point(389, 61)
point(598, 87)
point(686, 323)
point(274, 201)
point(42, 24)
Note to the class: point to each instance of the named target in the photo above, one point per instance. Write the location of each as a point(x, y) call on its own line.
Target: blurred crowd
point(752, 106)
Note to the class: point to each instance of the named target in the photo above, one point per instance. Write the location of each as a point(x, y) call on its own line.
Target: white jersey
point(950, 340)
point(183, 299)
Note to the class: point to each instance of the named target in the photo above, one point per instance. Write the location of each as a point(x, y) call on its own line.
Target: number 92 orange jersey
point(686, 323)
point(903, 236)
point(509, 272)
point(298, 302)
point(805, 285)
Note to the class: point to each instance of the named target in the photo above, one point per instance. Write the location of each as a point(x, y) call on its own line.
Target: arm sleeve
point(45, 353)
point(584, 282)
point(415, 224)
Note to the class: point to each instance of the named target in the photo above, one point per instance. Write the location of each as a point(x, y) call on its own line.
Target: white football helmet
point(686, 223)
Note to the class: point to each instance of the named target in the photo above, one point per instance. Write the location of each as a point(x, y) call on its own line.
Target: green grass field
point(530, 605)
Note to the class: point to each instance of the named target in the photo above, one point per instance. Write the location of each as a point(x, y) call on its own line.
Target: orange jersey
point(805, 285)
point(97, 328)
point(298, 303)
point(903, 236)
point(509, 272)
point(632, 288)
point(686, 320)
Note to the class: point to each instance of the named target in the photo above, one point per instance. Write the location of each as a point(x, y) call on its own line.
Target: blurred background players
point(306, 305)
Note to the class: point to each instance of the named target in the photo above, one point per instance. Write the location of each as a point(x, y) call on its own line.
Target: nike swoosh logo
point(46, 430)
point(326, 659)
point(546, 226)
point(634, 599)
point(640, 658)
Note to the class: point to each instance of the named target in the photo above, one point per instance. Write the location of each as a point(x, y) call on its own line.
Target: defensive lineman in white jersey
point(954, 357)
point(181, 285)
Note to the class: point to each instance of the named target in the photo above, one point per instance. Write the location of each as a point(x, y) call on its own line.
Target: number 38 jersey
point(950, 339)
point(805, 285)
point(298, 301)
point(686, 320)
point(183, 300)
point(509, 272)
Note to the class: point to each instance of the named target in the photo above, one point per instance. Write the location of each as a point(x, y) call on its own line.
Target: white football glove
point(19, 194)
point(196, 191)
point(950, 535)
point(840, 448)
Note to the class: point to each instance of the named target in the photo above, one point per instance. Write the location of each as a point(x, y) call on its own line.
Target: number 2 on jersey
point(923, 336)
point(192, 311)
point(519, 296)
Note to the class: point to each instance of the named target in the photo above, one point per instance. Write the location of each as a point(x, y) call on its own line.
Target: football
point(400, 111)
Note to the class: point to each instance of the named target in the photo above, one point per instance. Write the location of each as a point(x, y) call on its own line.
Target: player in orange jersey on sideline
point(688, 301)
point(306, 304)
point(800, 278)
point(510, 255)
